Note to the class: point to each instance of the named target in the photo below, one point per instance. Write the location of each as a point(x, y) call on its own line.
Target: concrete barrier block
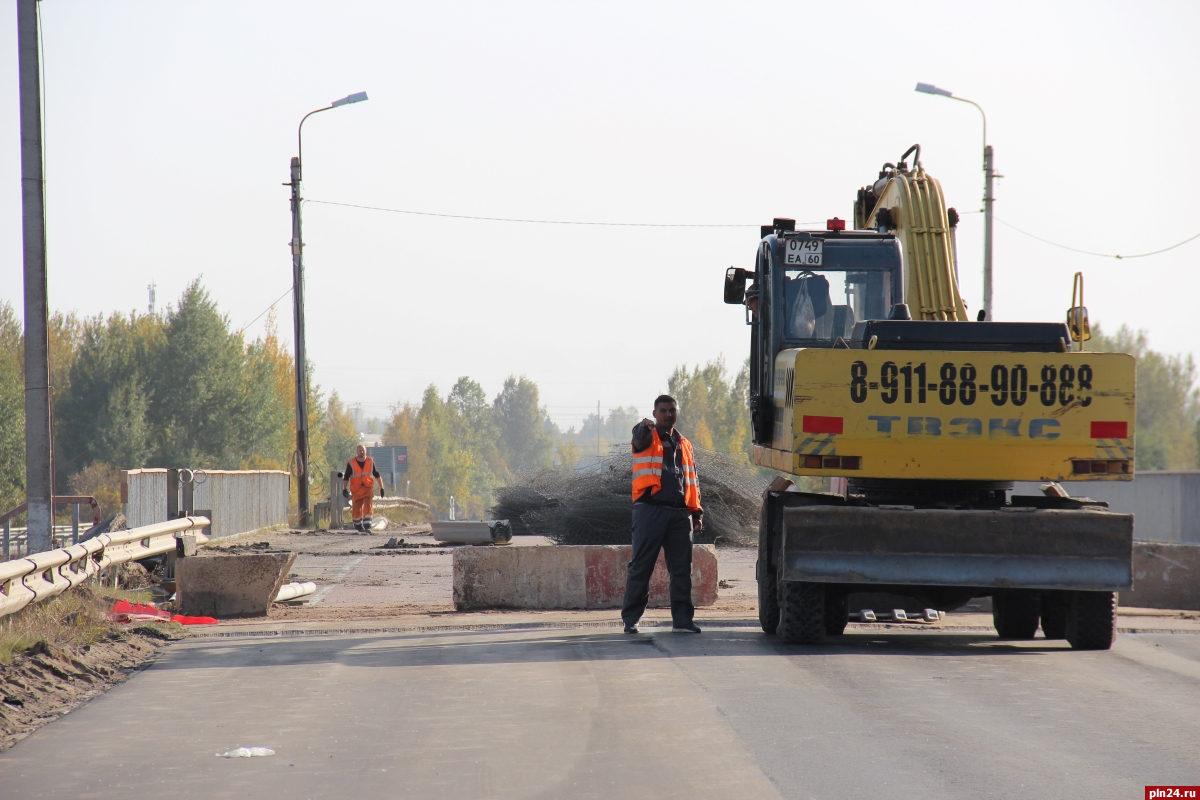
point(230, 586)
point(1164, 576)
point(566, 577)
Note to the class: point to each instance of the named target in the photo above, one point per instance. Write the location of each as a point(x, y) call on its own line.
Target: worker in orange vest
point(358, 483)
point(666, 511)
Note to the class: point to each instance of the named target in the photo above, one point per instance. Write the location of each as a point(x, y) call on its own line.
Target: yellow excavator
point(864, 367)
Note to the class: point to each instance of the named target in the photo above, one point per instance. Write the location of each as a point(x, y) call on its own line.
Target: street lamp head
point(929, 88)
point(357, 97)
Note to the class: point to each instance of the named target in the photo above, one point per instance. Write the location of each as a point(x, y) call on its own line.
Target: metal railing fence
point(44, 575)
point(237, 501)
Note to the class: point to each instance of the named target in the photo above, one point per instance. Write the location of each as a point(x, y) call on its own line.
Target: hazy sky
point(170, 126)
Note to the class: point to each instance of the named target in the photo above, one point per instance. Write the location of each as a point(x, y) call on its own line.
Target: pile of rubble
point(593, 506)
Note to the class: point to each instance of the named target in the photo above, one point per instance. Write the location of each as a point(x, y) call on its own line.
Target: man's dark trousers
point(654, 528)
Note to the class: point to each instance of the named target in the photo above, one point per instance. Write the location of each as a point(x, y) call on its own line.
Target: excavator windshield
point(823, 304)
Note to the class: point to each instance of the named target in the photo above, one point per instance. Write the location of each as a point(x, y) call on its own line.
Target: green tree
point(101, 481)
point(124, 434)
point(526, 433)
point(404, 429)
point(712, 406)
point(105, 415)
point(64, 334)
point(475, 427)
point(340, 436)
point(568, 451)
point(610, 430)
point(453, 466)
point(268, 424)
point(1168, 403)
point(199, 401)
point(12, 410)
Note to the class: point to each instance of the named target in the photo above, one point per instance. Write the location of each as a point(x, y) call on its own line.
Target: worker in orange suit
point(358, 483)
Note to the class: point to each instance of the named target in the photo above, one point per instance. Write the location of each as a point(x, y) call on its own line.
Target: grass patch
point(75, 618)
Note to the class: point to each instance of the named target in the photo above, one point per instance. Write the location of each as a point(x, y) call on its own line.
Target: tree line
point(183, 388)
point(179, 388)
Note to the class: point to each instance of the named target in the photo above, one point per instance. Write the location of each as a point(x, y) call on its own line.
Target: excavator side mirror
point(1077, 316)
point(735, 286)
point(1077, 322)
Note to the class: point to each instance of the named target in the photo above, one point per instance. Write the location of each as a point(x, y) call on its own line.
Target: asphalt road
point(595, 713)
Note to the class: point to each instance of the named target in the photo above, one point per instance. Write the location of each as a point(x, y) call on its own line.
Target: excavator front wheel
point(801, 612)
point(768, 600)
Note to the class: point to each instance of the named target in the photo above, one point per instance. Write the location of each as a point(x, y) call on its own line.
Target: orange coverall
point(362, 490)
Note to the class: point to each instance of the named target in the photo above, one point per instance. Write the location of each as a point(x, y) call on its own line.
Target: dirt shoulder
point(48, 681)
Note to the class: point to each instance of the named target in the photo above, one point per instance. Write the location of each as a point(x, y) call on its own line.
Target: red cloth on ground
point(125, 611)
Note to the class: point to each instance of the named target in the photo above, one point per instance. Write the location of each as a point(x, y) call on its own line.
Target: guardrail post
point(6, 532)
point(335, 501)
point(172, 494)
point(75, 523)
point(189, 494)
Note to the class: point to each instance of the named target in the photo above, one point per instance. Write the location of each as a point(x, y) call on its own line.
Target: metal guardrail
point(43, 575)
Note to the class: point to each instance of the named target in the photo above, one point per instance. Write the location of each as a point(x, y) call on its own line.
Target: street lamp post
point(988, 197)
point(297, 245)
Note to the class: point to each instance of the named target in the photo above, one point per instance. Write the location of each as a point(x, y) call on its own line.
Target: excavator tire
point(1054, 615)
point(801, 612)
point(1092, 620)
point(1015, 613)
point(837, 612)
point(768, 601)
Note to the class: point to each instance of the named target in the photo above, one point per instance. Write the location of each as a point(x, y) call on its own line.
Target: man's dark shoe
point(687, 627)
point(631, 627)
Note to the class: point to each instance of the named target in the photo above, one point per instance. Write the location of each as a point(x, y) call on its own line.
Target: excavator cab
point(810, 289)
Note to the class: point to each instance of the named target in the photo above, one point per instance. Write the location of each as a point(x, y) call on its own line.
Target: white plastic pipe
point(290, 591)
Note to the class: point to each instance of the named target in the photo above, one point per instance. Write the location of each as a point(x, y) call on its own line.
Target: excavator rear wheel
point(801, 612)
point(1015, 613)
point(1092, 620)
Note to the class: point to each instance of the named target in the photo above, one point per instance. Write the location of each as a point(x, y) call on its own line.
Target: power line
point(265, 310)
point(1089, 252)
point(550, 221)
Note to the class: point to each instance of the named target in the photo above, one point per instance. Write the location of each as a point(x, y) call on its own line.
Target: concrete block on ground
point(567, 577)
point(1164, 576)
point(230, 586)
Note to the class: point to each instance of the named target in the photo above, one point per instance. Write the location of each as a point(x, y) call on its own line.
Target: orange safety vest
point(362, 482)
point(648, 467)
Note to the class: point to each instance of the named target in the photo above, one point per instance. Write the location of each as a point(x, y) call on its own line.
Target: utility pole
point(301, 357)
point(988, 199)
point(150, 288)
point(39, 475)
point(298, 309)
